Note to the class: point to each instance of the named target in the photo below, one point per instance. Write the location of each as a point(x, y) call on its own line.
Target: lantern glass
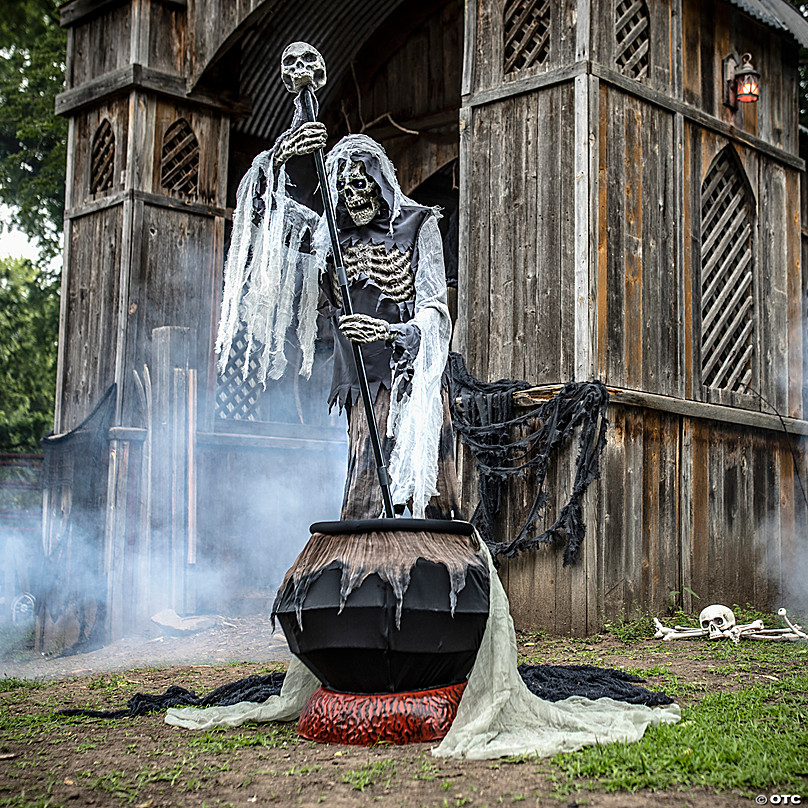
point(747, 87)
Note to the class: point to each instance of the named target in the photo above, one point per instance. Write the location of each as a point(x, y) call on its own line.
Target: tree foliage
point(29, 325)
point(32, 138)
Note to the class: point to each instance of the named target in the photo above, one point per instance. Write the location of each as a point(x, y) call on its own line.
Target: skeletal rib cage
point(390, 271)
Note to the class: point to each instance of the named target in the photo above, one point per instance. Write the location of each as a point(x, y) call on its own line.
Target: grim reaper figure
point(279, 276)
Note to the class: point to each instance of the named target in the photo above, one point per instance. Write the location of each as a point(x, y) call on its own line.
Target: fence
point(20, 534)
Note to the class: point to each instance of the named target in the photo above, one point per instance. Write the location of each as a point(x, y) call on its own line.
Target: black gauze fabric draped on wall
point(506, 446)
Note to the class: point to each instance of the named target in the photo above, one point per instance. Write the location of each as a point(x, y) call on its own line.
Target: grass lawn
point(743, 735)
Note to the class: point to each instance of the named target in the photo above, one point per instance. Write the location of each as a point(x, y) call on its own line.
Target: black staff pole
point(347, 307)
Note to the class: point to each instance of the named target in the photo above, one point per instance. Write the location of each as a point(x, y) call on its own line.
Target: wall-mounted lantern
point(741, 81)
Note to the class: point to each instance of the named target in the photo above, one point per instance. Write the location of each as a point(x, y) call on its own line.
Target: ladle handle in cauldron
point(347, 307)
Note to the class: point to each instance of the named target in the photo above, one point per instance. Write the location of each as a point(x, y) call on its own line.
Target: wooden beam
point(156, 200)
point(677, 406)
point(136, 76)
point(130, 433)
point(527, 85)
point(695, 115)
point(220, 440)
point(232, 440)
point(384, 131)
point(469, 46)
point(77, 11)
point(280, 429)
point(637, 90)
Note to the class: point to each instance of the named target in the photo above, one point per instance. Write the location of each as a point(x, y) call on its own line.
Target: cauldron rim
point(355, 526)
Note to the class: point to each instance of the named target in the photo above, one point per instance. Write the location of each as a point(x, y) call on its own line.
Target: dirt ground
point(46, 760)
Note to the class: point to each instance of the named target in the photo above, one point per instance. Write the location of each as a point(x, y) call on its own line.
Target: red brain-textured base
point(365, 719)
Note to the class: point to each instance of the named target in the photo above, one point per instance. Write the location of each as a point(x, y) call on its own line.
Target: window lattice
point(179, 171)
point(102, 159)
point(238, 398)
point(527, 33)
point(631, 33)
point(727, 278)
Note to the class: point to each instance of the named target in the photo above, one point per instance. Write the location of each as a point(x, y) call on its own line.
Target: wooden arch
point(253, 33)
point(394, 72)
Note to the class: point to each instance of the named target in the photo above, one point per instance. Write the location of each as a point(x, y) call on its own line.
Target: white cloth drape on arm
point(416, 421)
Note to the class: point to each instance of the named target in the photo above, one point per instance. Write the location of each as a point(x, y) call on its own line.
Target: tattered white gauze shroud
point(265, 271)
point(263, 265)
point(417, 419)
point(498, 715)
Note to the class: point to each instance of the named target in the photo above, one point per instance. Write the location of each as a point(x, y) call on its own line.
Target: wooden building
point(617, 221)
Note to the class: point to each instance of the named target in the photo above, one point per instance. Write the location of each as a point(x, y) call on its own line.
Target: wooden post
point(168, 483)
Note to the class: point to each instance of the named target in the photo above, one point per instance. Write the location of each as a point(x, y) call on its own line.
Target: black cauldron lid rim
point(452, 526)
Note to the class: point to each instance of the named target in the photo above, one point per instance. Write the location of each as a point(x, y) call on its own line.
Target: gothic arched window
point(727, 276)
point(179, 164)
point(102, 158)
point(632, 37)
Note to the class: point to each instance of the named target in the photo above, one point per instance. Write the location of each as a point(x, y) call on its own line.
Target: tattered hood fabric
point(498, 715)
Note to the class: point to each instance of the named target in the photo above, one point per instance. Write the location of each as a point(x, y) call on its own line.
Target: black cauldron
point(361, 649)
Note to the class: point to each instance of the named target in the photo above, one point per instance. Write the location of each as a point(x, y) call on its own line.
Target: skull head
point(717, 620)
point(301, 64)
point(361, 194)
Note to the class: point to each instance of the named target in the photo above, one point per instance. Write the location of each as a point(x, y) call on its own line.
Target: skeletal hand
point(362, 329)
point(306, 139)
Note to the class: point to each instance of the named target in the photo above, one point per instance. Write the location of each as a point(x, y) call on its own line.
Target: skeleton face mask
point(716, 620)
point(361, 194)
point(301, 64)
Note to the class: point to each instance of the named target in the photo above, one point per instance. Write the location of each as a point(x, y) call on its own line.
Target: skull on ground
point(301, 65)
point(717, 620)
point(361, 194)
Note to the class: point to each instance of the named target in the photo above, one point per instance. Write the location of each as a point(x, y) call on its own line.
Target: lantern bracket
point(734, 71)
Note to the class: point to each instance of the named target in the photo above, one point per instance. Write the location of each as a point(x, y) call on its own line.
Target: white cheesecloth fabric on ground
point(298, 685)
point(497, 716)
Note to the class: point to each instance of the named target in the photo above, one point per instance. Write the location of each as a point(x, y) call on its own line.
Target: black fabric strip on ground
point(557, 682)
point(253, 688)
point(549, 682)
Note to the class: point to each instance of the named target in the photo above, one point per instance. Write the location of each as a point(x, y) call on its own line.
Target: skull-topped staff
point(303, 72)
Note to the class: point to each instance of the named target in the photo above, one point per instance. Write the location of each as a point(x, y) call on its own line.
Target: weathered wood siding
point(520, 238)
point(171, 284)
point(639, 305)
point(89, 321)
point(146, 32)
point(581, 189)
point(94, 50)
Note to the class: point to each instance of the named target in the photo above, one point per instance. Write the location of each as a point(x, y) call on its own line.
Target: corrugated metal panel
point(337, 30)
point(777, 14)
